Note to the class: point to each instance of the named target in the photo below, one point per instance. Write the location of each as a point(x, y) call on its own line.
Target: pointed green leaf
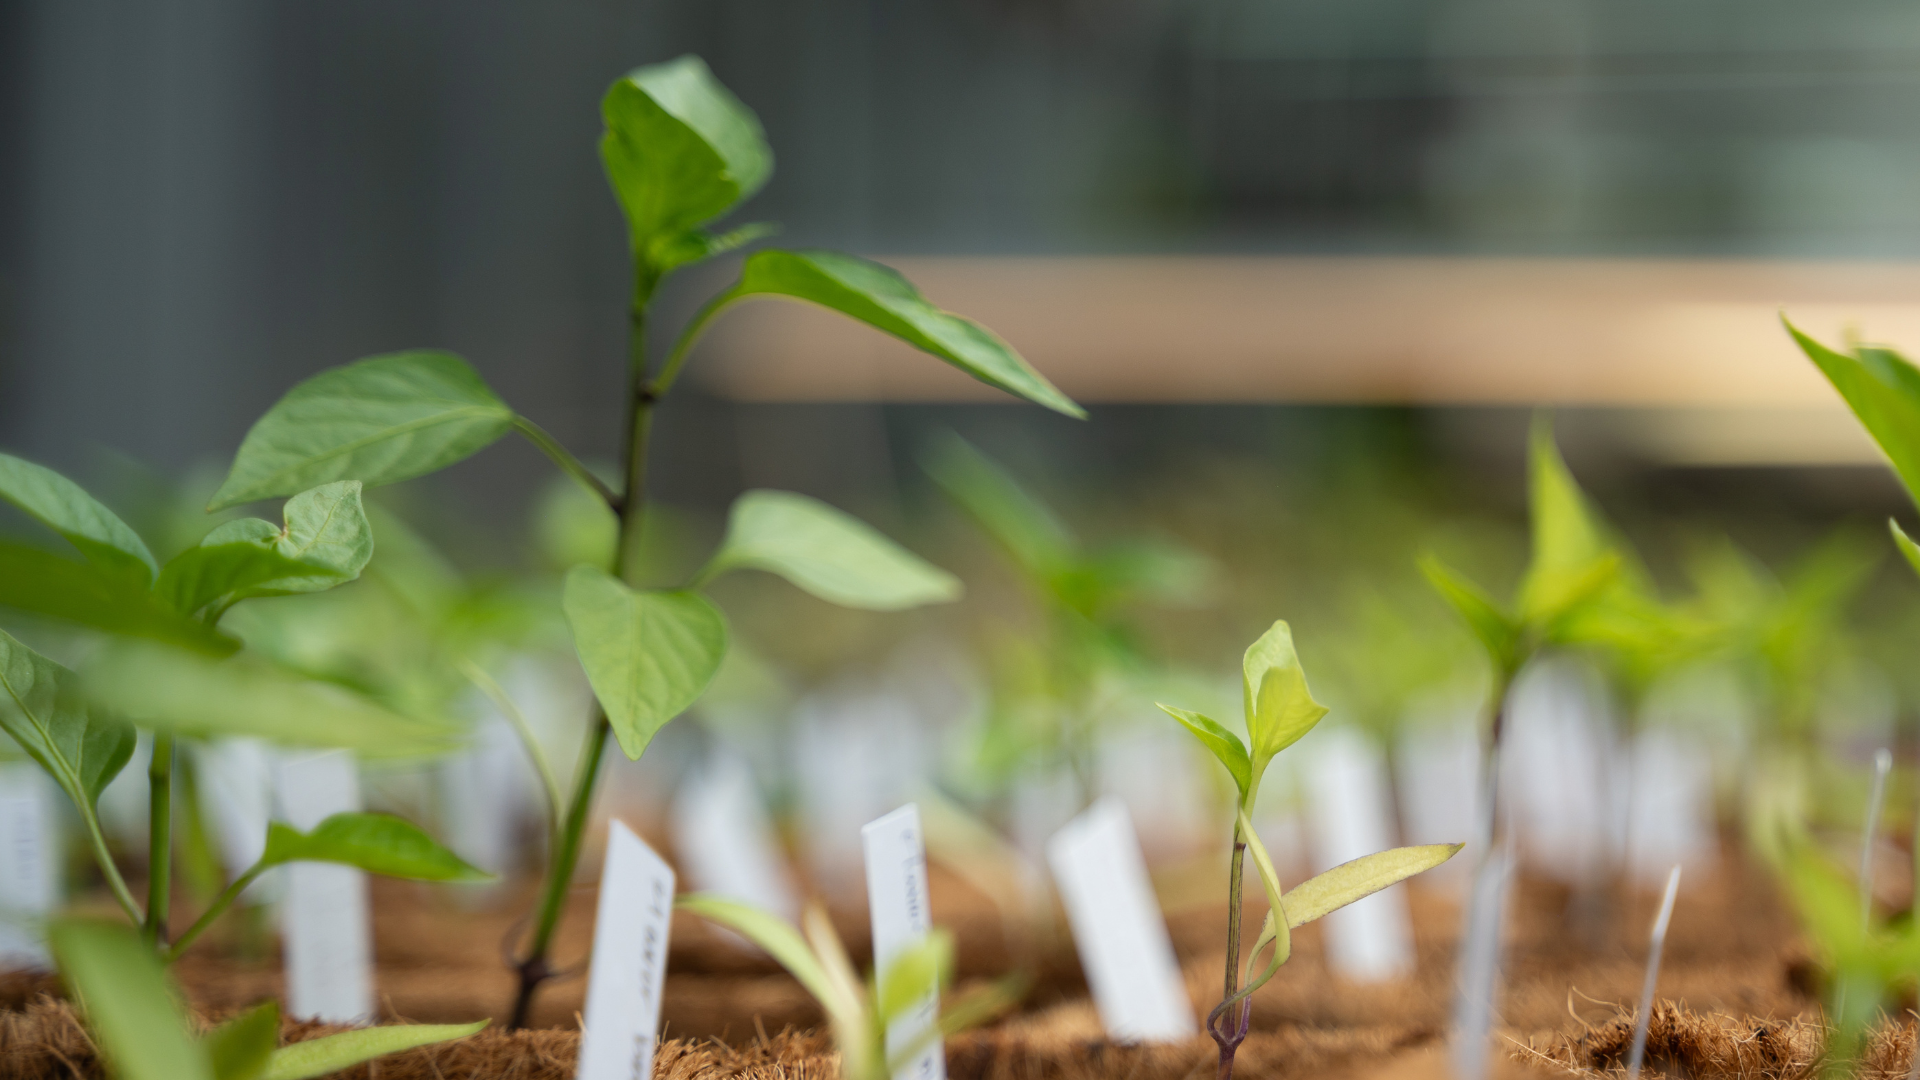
point(1568, 536)
point(379, 420)
point(82, 749)
point(240, 1048)
point(175, 690)
point(1224, 744)
point(47, 584)
point(332, 1053)
point(856, 1032)
point(1360, 878)
point(1561, 598)
point(326, 542)
point(679, 150)
point(1883, 390)
point(1905, 544)
point(918, 970)
point(1280, 707)
point(1030, 532)
point(1496, 631)
point(835, 557)
point(377, 843)
point(66, 508)
point(648, 655)
point(881, 298)
point(132, 1009)
point(772, 933)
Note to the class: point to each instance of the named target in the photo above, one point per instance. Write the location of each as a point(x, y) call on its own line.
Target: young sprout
point(134, 1012)
point(860, 1011)
point(1280, 709)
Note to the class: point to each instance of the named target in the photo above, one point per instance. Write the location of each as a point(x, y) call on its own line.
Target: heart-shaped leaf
point(66, 508)
point(1360, 878)
point(1280, 707)
point(172, 689)
point(1224, 744)
point(240, 1048)
point(835, 557)
point(326, 542)
point(44, 583)
point(82, 749)
point(377, 843)
point(648, 655)
point(378, 420)
point(679, 150)
point(133, 1010)
point(333, 1053)
point(878, 296)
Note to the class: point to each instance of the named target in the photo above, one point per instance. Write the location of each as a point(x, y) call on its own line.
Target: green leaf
point(772, 933)
point(835, 557)
point(332, 1053)
point(132, 1008)
point(379, 420)
point(698, 245)
point(378, 843)
point(881, 298)
point(918, 970)
point(648, 655)
point(82, 749)
point(46, 584)
point(1030, 532)
point(1905, 544)
point(66, 508)
point(326, 542)
point(1883, 390)
point(1568, 535)
point(1225, 745)
point(175, 690)
point(1360, 878)
point(1277, 928)
point(1496, 631)
point(679, 150)
point(240, 1048)
point(1280, 707)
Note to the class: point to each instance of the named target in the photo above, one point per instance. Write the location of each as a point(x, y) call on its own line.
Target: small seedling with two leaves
point(134, 1012)
point(1280, 710)
point(680, 152)
point(170, 667)
point(860, 1010)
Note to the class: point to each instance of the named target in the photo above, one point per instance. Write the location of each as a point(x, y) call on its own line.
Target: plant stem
point(214, 910)
point(159, 838)
point(97, 840)
point(1489, 824)
point(564, 458)
point(1223, 1015)
point(565, 855)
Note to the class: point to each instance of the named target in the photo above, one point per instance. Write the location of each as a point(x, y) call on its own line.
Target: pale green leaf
point(332, 1053)
point(1280, 708)
point(82, 749)
point(1360, 878)
point(379, 420)
point(66, 508)
point(378, 843)
point(132, 1009)
point(1906, 545)
point(679, 151)
point(881, 298)
point(1225, 745)
point(240, 1048)
point(829, 554)
point(917, 971)
point(1496, 631)
point(1277, 929)
point(1030, 532)
point(856, 1031)
point(777, 936)
point(50, 585)
point(1883, 390)
point(326, 542)
point(649, 655)
point(1569, 536)
point(1562, 598)
point(175, 690)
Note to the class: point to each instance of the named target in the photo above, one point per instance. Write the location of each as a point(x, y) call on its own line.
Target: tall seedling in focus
point(1280, 710)
point(171, 668)
point(680, 151)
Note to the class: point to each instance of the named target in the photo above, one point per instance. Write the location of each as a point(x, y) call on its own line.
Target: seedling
point(1280, 709)
point(680, 151)
point(134, 1012)
point(858, 1010)
point(172, 669)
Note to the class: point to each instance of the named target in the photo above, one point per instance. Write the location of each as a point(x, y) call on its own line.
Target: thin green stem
point(535, 970)
point(159, 838)
point(214, 910)
point(677, 356)
point(564, 458)
point(97, 841)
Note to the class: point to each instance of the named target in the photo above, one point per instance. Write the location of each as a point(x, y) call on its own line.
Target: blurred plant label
point(324, 931)
point(236, 802)
point(725, 842)
point(632, 921)
point(1118, 929)
point(897, 897)
point(28, 888)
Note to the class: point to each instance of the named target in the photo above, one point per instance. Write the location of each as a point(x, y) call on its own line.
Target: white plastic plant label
point(897, 898)
point(236, 802)
point(1370, 940)
point(634, 916)
point(29, 867)
point(1118, 929)
point(725, 842)
point(325, 936)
